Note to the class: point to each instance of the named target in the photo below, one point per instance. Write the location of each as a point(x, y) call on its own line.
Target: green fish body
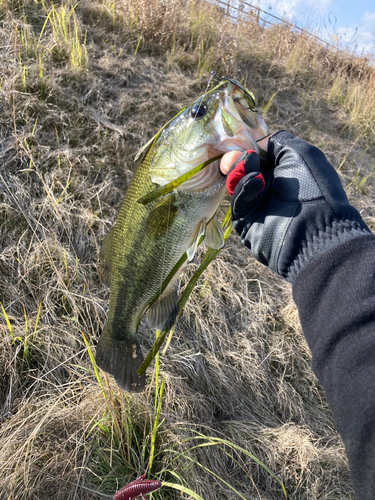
point(147, 241)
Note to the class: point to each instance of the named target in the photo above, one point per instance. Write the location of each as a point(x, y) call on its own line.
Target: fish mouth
point(229, 127)
point(233, 126)
point(230, 133)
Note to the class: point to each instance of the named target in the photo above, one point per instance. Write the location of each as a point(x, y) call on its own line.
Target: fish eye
point(198, 110)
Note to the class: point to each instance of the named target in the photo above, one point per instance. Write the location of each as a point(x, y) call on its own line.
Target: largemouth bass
point(147, 242)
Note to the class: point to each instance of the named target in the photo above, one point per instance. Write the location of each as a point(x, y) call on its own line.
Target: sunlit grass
point(231, 408)
point(67, 35)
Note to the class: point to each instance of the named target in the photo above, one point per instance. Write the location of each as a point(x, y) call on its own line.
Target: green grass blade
point(167, 188)
point(37, 317)
point(156, 424)
point(95, 368)
point(136, 49)
point(26, 322)
point(157, 408)
point(183, 489)
point(210, 472)
point(25, 355)
point(170, 276)
point(218, 441)
point(213, 441)
point(43, 28)
point(171, 332)
point(7, 322)
point(209, 257)
point(267, 106)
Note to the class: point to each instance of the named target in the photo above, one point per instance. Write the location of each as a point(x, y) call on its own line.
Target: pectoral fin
point(214, 234)
point(162, 216)
point(200, 230)
point(103, 266)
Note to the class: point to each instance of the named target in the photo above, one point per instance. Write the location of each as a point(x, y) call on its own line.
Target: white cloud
point(361, 37)
point(301, 12)
point(319, 5)
point(366, 42)
point(285, 10)
point(369, 20)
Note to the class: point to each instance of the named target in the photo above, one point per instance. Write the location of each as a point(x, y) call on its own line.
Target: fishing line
point(199, 100)
point(263, 138)
point(235, 83)
point(213, 75)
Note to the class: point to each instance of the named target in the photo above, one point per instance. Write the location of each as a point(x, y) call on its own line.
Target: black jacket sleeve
point(335, 296)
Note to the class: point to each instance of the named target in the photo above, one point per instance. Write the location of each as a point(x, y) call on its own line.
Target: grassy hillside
point(83, 86)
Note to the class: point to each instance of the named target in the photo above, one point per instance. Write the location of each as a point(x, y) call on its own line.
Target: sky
point(345, 21)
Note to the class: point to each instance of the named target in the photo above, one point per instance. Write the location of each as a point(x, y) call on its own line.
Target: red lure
point(137, 488)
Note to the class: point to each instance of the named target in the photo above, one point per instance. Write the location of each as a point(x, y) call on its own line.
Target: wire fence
point(240, 9)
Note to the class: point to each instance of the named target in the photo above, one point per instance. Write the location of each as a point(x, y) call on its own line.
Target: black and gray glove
point(292, 208)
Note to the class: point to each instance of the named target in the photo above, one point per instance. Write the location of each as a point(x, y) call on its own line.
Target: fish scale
point(147, 241)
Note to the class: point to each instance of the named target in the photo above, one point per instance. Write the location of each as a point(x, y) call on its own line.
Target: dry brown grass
point(238, 366)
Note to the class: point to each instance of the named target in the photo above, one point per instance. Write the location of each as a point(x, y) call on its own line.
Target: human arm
point(335, 297)
point(300, 224)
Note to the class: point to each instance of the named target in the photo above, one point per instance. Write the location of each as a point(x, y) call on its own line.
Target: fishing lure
point(137, 488)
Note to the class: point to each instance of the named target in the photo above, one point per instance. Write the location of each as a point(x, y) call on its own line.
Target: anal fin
point(163, 307)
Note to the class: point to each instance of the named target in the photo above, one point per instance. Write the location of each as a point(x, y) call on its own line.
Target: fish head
point(224, 119)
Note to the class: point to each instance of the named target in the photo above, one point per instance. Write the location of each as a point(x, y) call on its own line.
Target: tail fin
point(122, 360)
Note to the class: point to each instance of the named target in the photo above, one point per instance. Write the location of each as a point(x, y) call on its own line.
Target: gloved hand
point(291, 208)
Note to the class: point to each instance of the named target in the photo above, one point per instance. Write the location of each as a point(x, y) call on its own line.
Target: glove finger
point(246, 163)
point(245, 194)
